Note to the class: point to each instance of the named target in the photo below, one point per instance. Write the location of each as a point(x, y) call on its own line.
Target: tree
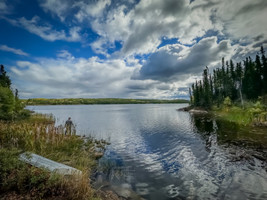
point(7, 103)
point(239, 78)
point(206, 89)
point(10, 104)
point(264, 69)
point(196, 94)
point(191, 97)
point(4, 79)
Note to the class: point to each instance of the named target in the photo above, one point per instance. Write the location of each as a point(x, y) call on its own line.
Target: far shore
point(92, 101)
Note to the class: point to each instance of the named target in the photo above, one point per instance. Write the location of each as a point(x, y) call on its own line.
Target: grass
point(250, 114)
point(39, 135)
point(235, 114)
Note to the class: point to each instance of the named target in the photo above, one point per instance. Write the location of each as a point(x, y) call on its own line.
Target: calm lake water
point(158, 152)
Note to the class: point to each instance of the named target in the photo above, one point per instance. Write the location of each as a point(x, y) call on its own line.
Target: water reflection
point(159, 153)
point(229, 134)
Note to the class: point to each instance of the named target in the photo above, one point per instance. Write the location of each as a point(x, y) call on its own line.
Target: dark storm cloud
point(165, 64)
point(259, 44)
point(208, 4)
point(140, 86)
point(166, 8)
point(252, 7)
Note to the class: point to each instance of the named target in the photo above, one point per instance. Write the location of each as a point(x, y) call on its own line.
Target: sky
point(123, 48)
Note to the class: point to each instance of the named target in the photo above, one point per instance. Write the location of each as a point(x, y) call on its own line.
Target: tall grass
point(40, 135)
point(250, 114)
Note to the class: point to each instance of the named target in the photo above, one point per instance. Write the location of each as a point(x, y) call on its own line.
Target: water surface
point(161, 153)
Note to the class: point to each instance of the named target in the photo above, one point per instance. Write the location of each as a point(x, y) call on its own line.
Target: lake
point(160, 153)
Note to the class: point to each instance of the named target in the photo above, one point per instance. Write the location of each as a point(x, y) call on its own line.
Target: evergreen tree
point(216, 87)
point(258, 81)
point(201, 94)
point(196, 95)
point(239, 78)
point(264, 70)
point(7, 103)
point(211, 89)
point(4, 78)
point(10, 105)
point(206, 89)
point(191, 97)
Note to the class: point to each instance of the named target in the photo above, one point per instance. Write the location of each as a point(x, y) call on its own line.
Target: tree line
point(245, 80)
point(77, 101)
point(11, 106)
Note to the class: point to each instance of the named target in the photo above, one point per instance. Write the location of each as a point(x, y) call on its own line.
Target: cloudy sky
point(123, 48)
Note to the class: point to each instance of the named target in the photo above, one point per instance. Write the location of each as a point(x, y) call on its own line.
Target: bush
point(7, 103)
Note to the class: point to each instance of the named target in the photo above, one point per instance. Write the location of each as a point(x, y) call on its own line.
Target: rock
point(126, 192)
point(195, 111)
point(98, 155)
point(185, 109)
point(108, 195)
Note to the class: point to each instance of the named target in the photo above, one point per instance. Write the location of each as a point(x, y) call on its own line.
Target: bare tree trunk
point(241, 96)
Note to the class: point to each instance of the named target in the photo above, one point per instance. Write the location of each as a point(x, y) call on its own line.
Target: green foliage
point(227, 102)
point(235, 114)
point(11, 107)
point(4, 78)
point(251, 114)
point(7, 103)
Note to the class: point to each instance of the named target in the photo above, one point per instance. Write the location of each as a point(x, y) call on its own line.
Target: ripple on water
point(164, 154)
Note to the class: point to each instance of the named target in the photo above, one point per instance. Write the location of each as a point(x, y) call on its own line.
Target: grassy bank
point(249, 114)
point(39, 135)
point(77, 101)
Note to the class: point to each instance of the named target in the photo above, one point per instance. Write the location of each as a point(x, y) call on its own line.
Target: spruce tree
point(264, 70)
point(206, 89)
point(4, 78)
point(10, 105)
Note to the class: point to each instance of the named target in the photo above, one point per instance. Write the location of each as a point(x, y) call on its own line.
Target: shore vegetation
point(236, 92)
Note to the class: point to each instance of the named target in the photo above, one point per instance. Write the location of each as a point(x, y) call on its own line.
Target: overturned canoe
point(42, 162)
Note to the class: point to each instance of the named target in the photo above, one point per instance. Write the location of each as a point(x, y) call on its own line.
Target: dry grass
point(39, 135)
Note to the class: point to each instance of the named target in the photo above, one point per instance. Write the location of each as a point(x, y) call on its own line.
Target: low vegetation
point(77, 101)
point(250, 114)
point(39, 135)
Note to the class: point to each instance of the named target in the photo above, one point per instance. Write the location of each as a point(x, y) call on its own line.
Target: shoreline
point(229, 114)
point(99, 101)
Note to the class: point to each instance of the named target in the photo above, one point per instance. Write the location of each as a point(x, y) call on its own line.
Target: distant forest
point(245, 80)
point(77, 101)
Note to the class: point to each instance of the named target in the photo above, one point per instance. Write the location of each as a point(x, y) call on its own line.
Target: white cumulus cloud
point(13, 50)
